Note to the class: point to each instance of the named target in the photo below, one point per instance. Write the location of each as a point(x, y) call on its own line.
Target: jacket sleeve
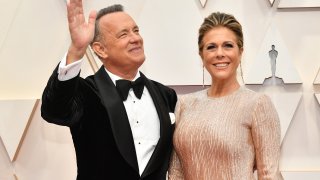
point(62, 100)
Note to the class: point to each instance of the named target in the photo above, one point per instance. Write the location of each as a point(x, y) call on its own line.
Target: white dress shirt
point(142, 114)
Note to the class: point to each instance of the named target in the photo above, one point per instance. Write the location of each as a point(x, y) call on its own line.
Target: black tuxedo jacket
point(100, 128)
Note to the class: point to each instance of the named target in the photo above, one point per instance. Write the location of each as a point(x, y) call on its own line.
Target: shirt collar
point(114, 77)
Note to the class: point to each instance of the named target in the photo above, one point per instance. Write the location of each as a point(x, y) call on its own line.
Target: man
point(116, 134)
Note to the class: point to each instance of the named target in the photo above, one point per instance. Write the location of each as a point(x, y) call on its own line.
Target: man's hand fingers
point(75, 11)
point(92, 19)
point(70, 13)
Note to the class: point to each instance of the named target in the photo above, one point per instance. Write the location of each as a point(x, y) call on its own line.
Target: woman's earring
point(241, 73)
point(203, 76)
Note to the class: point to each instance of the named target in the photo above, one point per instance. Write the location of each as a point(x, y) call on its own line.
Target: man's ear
point(99, 49)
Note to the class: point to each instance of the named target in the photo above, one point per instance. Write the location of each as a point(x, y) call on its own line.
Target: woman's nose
point(220, 52)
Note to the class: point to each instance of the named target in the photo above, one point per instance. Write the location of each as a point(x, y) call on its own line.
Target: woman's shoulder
point(190, 98)
point(256, 97)
point(252, 96)
point(194, 95)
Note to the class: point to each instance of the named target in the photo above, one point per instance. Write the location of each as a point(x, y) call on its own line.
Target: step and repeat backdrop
point(34, 37)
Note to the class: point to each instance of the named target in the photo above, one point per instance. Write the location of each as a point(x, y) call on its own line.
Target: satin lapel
point(117, 116)
point(157, 157)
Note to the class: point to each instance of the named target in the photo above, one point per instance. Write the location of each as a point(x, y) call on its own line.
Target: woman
point(225, 131)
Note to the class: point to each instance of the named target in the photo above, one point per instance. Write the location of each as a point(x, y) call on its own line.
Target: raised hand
point(81, 32)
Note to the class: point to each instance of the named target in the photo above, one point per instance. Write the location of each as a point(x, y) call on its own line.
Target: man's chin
point(141, 59)
point(140, 62)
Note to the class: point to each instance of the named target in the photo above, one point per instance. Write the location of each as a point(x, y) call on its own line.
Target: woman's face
point(220, 54)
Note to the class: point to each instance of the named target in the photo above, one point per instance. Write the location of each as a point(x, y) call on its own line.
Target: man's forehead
point(117, 19)
point(114, 23)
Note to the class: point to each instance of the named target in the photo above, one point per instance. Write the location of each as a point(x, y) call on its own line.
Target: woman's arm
point(266, 138)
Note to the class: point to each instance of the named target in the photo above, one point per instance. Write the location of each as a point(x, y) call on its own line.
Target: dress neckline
point(223, 97)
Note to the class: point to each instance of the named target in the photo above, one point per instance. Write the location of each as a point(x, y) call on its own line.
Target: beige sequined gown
point(226, 138)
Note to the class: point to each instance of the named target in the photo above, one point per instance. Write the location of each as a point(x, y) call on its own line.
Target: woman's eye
point(210, 47)
point(229, 45)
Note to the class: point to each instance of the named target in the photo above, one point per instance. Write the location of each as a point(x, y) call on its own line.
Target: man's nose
point(134, 37)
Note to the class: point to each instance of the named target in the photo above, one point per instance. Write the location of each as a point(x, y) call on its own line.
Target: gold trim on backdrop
point(91, 60)
point(25, 130)
point(203, 3)
point(271, 2)
point(317, 77)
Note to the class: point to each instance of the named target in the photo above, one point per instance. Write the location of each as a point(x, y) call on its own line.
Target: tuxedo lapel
point(117, 116)
point(165, 129)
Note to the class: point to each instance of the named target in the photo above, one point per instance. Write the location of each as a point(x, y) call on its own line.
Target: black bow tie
point(123, 86)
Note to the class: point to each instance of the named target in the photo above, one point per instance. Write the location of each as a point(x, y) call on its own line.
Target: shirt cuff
point(66, 72)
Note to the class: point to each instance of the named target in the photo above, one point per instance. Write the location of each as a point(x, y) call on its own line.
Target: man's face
point(122, 41)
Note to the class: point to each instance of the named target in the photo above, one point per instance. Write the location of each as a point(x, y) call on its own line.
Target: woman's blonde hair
point(218, 19)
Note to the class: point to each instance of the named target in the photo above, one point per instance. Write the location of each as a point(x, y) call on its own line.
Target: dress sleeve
point(266, 139)
point(175, 168)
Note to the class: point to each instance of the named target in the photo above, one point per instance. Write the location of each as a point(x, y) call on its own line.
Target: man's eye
point(123, 35)
point(136, 31)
